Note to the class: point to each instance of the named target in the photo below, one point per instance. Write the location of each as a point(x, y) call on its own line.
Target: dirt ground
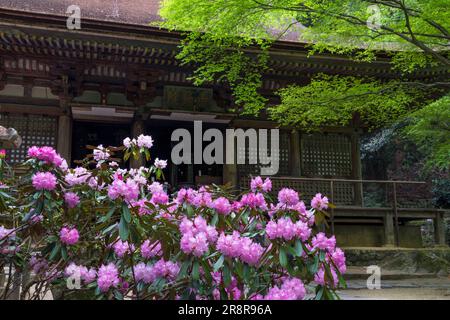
point(411, 289)
point(396, 294)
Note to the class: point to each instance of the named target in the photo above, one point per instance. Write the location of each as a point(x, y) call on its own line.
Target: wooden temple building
point(117, 77)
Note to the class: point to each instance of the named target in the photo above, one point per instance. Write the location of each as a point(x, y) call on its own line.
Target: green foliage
point(345, 26)
point(430, 130)
point(224, 59)
point(333, 101)
point(414, 33)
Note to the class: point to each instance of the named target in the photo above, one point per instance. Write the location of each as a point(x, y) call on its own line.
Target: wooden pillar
point(389, 234)
point(137, 128)
point(356, 168)
point(230, 174)
point(64, 141)
point(295, 157)
point(439, 229)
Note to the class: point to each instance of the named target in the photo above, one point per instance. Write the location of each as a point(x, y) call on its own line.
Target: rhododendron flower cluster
point(288, 197)
point(254, 201)
point(108, 276)
point(160, 164)
point(197, 236)
point(122, 247)
point(72, 200)
point(129, 190)
point(101, 153)
point(320, 241)
point(44, 181)
point(291, 289)
point(161, 269)
point(142, 141)
point(235, 246)
point(77, 176)
point(222, 205)
point(319, 202)
point(85, 274)
point(7, 239)
point(140, 241)
point(38, 264)
point(48, 155)
point(257, 184)
point(150, 249)
point(69, 236)
point(284, 228)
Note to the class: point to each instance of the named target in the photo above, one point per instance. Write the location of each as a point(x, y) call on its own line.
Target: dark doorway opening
point(183, 175)
point(91, 133)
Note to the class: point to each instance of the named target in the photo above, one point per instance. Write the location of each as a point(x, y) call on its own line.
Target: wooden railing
point(380, 197)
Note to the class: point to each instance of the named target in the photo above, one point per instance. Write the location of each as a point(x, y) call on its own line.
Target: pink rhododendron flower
point(121, 248)
point(288, 197)
point(155, 187)
point(202, 198)
point(254, 201)
point(338, 258)
point(257, 184)
point(77, 176)
point(144, 141)
point(319, 278)
point(285, 229)
point(150, 250)
point(319, 202)
point(85, 274)
point(160, 164)
point(222, 205)
point(185, 195)
point(235, 246)
point(44, 181)
point(160, 198)
point(71, 199)
point(101, 153)
point(291, 289)
point(69, 236)
point(196, 236)
point(108, 276)
point(47, 155)
point(161, 269)
point(128, 190)
point(38, 264)
point(320, 241)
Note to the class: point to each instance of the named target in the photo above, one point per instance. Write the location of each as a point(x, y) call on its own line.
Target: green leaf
point(195, 271)
point(219, 263)
point(64, 254)
point(298, 248)
point(283, 257)
point(183, 270)
point(126, 213)
point(124, 229)
point(108, 215)
point(226, 275)
point(55, 252)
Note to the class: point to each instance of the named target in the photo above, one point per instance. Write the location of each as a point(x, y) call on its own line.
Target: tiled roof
point(140, 12)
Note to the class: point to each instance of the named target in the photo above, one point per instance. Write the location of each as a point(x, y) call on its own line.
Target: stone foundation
point(436, 260)
point(373, 236)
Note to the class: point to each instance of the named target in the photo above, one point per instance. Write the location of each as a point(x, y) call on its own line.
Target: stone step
point(438, 283)
point(360, 273)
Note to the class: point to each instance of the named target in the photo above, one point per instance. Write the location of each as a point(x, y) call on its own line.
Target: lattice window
point(245, 170)
point(326, 155)
point(35, 130)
